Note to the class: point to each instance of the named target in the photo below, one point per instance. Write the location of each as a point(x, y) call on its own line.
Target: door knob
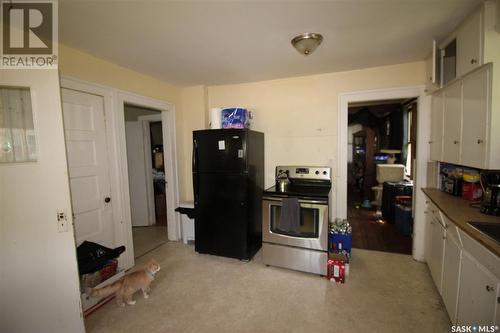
point(473, 61)
point(479, 141)
point(107, 199)
point(488, 288)
point(455, 142)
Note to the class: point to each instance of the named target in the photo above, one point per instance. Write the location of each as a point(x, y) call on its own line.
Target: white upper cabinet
point(470, 44)
point(452, 121)
point(463, 122)
point(433, 69)
point(469, 93)
point(475, 110)
point(436, 142)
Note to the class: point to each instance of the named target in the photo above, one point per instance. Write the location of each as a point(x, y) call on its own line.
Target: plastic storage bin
point(340, 243)
point(404, 221)
point(187, 223)
point(234, 118)
point(471, 187)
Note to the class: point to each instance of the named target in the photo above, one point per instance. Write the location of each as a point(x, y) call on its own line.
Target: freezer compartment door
point(221, 151)
point(222, 219)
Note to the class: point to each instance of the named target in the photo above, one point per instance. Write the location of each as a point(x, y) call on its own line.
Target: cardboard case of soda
point(339, 248)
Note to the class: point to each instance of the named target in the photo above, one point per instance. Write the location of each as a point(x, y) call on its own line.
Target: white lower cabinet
point(437, 249)
point(470, 291)
point(451, 274)
point(477, 302)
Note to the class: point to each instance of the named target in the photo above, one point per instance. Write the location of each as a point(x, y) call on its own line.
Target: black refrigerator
point(228, 180)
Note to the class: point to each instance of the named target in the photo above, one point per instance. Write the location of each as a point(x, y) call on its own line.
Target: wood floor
point(371, 235)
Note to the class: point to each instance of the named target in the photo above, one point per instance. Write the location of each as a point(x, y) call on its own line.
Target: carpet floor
point(385, 292)
point(147, 238)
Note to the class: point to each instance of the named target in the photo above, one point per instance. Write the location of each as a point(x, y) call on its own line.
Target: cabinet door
point(452, 123)
point(478, 293)
point(436, 253)
point(428, 233)
point(469, 45)
point(451, 270)
point(475, 90)
point(433, 69)
point(436, 143)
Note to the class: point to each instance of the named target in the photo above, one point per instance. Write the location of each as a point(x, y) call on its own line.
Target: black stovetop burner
point(300, 191)
point(305, 182)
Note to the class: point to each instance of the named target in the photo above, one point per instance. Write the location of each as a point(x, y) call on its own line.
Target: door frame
point(126, 260)
point(114, 100)
point(422, 150)
point(169, 150)
point(146, 128)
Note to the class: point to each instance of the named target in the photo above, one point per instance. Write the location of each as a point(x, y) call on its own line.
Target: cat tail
point(104, 291)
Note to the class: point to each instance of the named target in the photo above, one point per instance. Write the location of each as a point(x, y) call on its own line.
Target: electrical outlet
point(62, 222)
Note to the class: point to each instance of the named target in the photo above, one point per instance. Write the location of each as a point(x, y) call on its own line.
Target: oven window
point(308, 226)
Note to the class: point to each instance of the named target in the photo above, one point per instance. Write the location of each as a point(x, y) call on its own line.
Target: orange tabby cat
point(125, 287)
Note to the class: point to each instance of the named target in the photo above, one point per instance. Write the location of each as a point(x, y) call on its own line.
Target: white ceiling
point(209, 42)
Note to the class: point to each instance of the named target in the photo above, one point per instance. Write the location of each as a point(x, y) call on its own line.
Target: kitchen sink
point(490, 229)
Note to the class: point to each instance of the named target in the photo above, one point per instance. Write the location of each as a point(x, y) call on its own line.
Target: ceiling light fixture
point(306, 43)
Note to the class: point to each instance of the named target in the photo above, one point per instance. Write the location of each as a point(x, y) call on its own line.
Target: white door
point(475, 118)
point(86, 146)
point(139, 206)
point(39, 273)
point(452, 123)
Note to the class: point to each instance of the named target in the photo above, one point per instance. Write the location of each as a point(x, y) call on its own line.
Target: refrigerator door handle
point(195, 171)
point(195, 155)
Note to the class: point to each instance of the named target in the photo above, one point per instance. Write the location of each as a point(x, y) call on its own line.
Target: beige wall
point(193, 104)
point(83, 66)
point(299, 115)
point(86, 67)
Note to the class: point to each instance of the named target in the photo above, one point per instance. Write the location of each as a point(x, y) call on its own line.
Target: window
point(308, 223)
point(17, 130)
point(411, 133)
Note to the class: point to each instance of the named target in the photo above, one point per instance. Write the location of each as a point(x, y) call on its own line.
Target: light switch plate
point(62, 221)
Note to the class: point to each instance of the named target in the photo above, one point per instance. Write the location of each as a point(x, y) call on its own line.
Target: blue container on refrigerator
point(234, 118)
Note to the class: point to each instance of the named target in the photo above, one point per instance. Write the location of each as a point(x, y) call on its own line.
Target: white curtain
point(17, 131)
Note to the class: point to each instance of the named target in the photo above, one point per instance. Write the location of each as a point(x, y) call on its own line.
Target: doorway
point(146, 177)
point(380, 154)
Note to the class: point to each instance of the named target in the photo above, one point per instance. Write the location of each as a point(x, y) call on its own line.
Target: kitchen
point(282, 107)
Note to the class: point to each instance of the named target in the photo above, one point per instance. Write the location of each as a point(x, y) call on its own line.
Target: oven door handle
point(279, 199)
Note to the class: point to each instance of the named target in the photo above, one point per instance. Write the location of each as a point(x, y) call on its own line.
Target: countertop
point(460, 212)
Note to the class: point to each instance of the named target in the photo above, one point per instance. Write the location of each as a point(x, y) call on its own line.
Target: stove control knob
point(324, 172)
point(317, 172)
